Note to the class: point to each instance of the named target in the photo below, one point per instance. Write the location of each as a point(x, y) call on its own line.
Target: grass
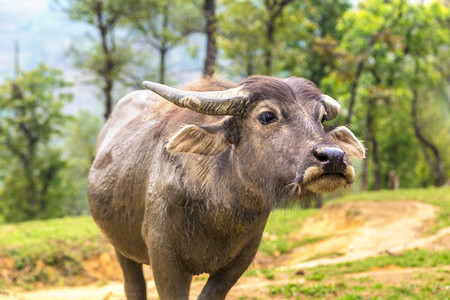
point(40, 251)
point(408, 259)
point(37, 237)
point(281, 224)
point(343, 291)
point(430, 280)
point(433, 195)
point(354, 289)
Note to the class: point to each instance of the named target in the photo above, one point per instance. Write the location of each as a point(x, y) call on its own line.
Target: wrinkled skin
point(189, 193)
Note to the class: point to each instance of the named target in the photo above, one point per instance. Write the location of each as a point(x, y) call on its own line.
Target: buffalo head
point(277, 133)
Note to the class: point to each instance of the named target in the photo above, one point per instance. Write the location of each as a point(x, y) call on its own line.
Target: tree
point(253, 34)
point(209, 13)
point(105, 58)
point(242, 37)
point(31, 120)
point(382, 46)
point(427, 32)
point(79, 151)
point(384, 18)
point(311, 37)
point(274, 9)
point(163, 25)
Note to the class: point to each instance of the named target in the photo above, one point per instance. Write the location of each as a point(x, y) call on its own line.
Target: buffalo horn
point(332, 107)
point(229, 102)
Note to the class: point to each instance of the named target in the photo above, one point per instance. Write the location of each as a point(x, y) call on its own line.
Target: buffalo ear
point(205, 140)
point(345, 139)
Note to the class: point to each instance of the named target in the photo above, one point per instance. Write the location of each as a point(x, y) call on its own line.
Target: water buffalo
point(185, 180)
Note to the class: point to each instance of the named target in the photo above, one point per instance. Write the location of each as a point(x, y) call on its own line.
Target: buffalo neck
point(220, 187)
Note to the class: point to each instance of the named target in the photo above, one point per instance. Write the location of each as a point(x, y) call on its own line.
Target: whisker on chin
point(293, 189)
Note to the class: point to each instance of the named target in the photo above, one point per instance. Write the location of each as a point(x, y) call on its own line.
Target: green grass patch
point(408, 259)
point(281, 223)
point(43, 251)
point(291, 290)
point(39, 237)
point(432, 286)
point(433, 195)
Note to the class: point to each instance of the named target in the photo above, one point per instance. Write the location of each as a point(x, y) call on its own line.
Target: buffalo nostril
point(320, 156)
point(332, 159)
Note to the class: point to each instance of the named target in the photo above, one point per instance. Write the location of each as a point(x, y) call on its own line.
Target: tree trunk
point(397, 15)
point(365, 172)
point(354, 90)
point(107, 92)
point(47, 178)
point(270, 29)
point(376, 163)
point(32, 200)
point(164, 46)
point(274, 9)
point(372, 151)
point(365, 166)
point(250, 68)
point(109, 62)
point(162, 64)
point(209, 11)
point(434, 161)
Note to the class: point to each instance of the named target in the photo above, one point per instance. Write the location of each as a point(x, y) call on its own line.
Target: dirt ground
point(349, 231)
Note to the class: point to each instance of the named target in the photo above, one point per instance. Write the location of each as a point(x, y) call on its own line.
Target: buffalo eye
point(266, 118)
point(325, 118)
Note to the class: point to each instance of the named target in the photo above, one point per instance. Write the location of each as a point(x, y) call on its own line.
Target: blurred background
point(65, 63)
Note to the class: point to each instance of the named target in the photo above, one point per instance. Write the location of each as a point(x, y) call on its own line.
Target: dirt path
point(349, 231)
point(250, 287)
point(362, 229)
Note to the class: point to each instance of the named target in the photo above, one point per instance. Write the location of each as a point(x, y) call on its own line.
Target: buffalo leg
point(171, 281)
point(220, 283)
point(135, 285)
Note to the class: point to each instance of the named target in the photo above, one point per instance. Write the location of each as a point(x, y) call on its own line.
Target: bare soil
point(348, 231)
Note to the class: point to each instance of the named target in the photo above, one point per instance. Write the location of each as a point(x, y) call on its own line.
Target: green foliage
point(373, 59)
point(105, 55)
point(388, 51)
point(163, 25)
point(89, 57)
point(31, 122)
point(79, 152)
point(375, 56)
point(242, 36)
point(312, 38)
